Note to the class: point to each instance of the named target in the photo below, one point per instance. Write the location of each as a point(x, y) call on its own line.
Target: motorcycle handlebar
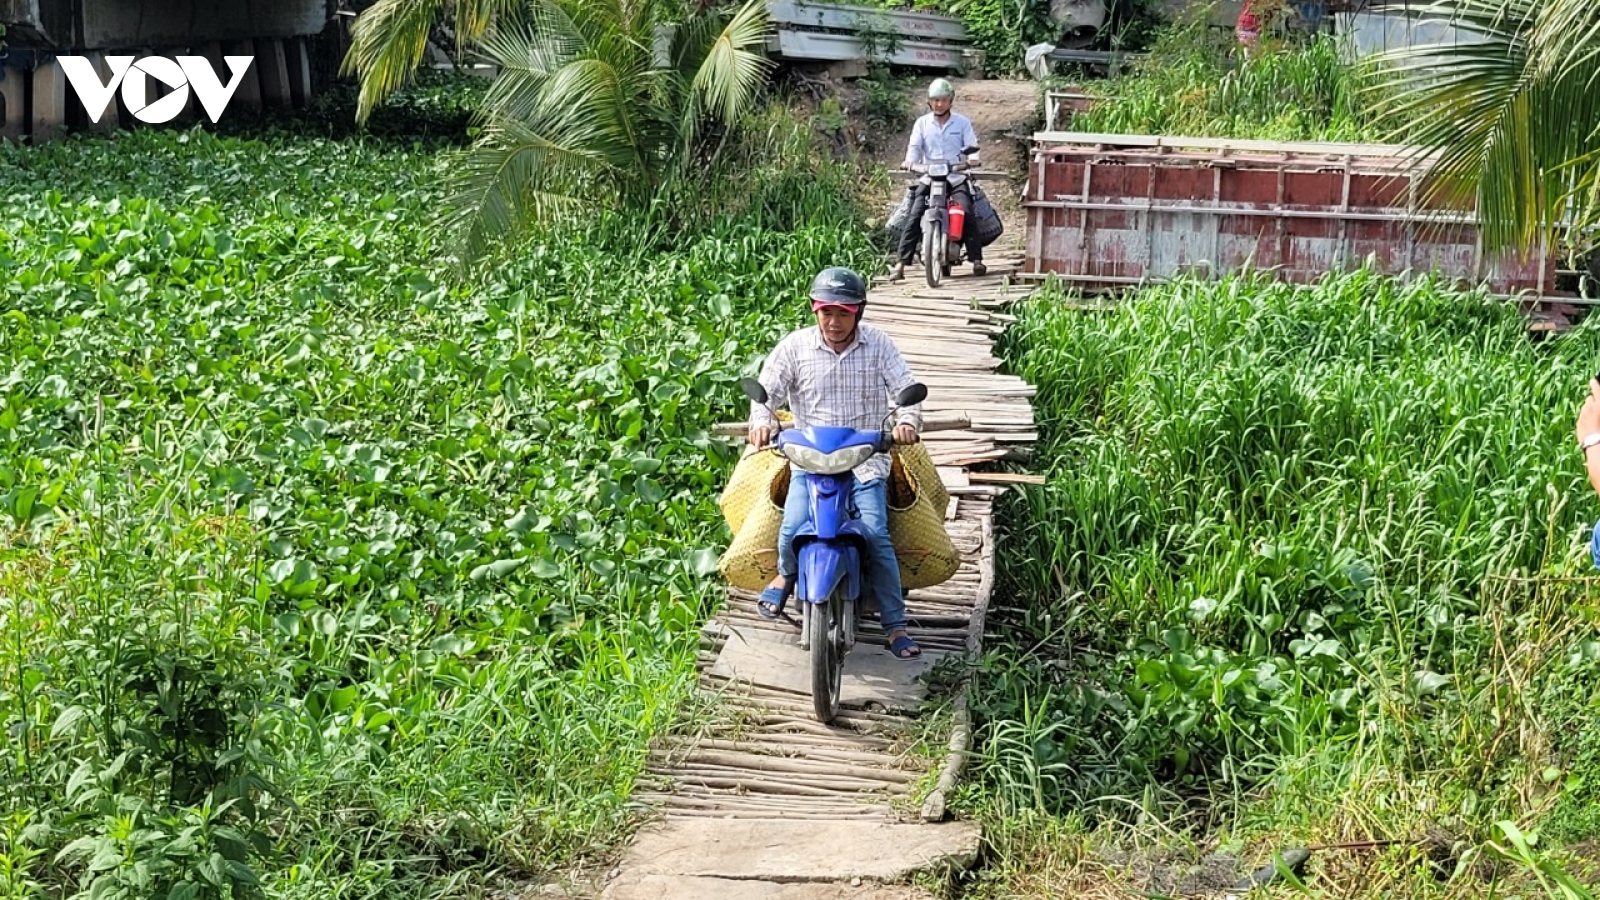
point(921, 169)
point(884, 444)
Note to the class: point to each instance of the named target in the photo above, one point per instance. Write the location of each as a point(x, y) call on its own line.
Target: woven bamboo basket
point(753, 506)
point(917, 504)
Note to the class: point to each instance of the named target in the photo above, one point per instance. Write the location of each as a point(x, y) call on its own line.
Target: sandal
point(772, 601)
point(903, 647)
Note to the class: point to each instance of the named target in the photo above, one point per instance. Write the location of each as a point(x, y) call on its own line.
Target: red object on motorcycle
point(958, 218)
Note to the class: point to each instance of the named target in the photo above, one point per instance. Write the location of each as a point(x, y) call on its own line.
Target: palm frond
point(1497, 114)
point(528, 55)
point(715, 73)
point(1568, 37)
point(389, 40)
point(514, 177)
point(603, 94)
point(732, 72)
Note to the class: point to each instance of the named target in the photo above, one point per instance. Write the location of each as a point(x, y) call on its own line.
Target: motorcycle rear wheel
point(825, 633)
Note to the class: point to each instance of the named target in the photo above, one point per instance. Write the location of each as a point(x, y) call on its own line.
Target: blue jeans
point(882, 569)
point(1594, 546)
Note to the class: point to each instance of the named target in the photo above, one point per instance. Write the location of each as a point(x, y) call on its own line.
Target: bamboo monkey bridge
point(764, 801)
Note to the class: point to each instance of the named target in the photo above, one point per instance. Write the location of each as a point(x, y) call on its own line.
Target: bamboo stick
point(752, 762)
point(933, 807)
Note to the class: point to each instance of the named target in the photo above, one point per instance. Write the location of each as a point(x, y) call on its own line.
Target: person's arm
point(1587, 429)
point(775, 378)
point(914, 146)
point(969, 138)
point(898, 377)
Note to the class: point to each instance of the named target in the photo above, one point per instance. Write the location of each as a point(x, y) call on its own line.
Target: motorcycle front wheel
point(932, 253)
point(825, 634)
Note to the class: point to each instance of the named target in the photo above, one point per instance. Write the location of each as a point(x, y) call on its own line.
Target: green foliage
point(1188, 86)
point(325, 570)
point(1510, 115)
point(1569, 700)
point(883, 106)
point(1004, 29)
point(1305, 545)
point(594, 104)
point(879, 40)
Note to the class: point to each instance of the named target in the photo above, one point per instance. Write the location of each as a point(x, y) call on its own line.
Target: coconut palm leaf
point(517, 175)
point(1570, 34)
point(735, 64)
point(718, 65)
point(1509, 118)
point(389, 39)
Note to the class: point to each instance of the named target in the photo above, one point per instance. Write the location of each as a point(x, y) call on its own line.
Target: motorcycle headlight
point(828, 463)
point(938, 170)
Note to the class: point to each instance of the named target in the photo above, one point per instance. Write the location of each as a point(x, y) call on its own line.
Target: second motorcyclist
point(940, 133)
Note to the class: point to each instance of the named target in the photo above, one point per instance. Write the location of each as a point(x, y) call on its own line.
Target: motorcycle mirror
point(913, 394)
point(753, 389)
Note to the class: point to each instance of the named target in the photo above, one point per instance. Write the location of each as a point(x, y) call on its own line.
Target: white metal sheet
point(835, 47)
point(928, 26)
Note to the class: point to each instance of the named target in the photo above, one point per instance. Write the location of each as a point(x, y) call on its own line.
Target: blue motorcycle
point(831, 545)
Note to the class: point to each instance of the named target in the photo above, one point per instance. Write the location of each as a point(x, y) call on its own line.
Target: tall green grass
point(1194, 84)
point(1311, 563)
point(324, 573)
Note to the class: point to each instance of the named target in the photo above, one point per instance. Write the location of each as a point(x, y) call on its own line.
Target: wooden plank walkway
point(761, 757)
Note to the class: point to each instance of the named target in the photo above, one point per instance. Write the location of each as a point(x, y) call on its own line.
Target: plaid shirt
point(854, 388)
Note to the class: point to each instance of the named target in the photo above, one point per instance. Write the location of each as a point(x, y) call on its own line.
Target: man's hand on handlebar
point(760, 436)
point(905, 434)
point(921, 169)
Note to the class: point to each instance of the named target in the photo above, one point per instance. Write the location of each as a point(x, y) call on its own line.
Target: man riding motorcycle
point(840, 372)
point(940, 134)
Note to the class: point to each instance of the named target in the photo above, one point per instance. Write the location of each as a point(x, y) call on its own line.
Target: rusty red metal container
point(1107, 210)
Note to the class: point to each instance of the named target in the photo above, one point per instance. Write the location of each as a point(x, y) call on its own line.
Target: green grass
point(1195, 84)
point(325, 569)
point(1311, 565)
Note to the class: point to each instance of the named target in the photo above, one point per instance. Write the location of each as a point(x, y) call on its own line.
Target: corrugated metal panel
point(928, 26)
point(1118, 209)
point(833, 47)
point(156, 23)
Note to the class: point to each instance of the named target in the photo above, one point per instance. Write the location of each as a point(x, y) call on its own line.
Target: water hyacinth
point(326, 570)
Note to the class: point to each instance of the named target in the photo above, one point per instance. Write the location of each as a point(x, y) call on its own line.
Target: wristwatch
point(1589, 440)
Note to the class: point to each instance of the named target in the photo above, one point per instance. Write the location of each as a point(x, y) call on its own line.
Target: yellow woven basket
point(917, 504)
point(912, 472)
point(762, 476)
point(753, 505)
point(751, 561)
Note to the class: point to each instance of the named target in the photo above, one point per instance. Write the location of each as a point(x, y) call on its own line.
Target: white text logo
point(133, 77)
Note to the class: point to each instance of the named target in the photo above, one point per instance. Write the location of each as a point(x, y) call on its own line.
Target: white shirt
point(852, 388)
point(930, 140)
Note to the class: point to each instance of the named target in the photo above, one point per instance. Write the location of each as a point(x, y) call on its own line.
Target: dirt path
point(999, 109)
